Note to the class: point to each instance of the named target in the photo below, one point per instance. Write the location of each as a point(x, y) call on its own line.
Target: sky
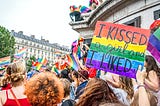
point(47, 18)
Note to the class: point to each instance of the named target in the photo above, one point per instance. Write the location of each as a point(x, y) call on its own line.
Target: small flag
point(4, 61)
point(54, 69)
point(84, 9)
point(72, 62)
point(154, 45)
point(20, 53)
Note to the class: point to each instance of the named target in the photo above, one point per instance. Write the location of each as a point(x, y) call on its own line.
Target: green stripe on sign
point(118, 52)
point(157, 33)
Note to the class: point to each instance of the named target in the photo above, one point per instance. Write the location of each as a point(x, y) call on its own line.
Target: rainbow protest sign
point(118, 48)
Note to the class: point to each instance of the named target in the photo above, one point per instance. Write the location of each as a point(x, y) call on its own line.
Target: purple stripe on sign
point(117, 70)
point(155, 42)
point(154, 51)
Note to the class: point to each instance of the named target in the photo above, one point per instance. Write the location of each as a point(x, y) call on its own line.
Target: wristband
point(141, 85)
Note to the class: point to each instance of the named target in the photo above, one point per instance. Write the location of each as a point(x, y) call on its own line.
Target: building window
point(156, 14)
point(22, 41)
point(136, 22)
point(31, 50)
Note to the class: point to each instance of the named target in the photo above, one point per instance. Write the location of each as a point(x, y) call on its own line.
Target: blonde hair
point(15, 74)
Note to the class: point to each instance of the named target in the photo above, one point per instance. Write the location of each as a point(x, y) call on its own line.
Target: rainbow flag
point(118, 49)
point(72, 62)
point(43, 61)
point(84, 9)
point(20, 53)
point(54, 69)
point(154, 45)
point(38, 66)
point(4, 61)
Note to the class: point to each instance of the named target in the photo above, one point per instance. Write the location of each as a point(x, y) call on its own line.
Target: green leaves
point(7, 43)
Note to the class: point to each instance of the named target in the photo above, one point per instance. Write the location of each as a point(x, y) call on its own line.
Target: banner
point(4, 61)
point(119, 49)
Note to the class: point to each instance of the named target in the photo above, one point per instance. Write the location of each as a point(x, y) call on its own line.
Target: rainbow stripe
point(84, 9)
point(110, 52)
point(72, 62)
point(54, 69)
point(20, 53)
point(4, 61)
point(154, 45)
point(43, 61)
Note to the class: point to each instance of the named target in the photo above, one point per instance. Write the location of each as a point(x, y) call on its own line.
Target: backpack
point(68, 102)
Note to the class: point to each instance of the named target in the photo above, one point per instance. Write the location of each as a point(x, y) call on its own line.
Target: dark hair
point(75, 73)
point(84, 74)
point(96, 92)
point(151, 65)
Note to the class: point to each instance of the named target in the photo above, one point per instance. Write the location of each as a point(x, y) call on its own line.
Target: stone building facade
point(38, 48)
point(138, 13)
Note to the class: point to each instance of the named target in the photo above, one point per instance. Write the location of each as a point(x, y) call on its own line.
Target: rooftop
point(42, 41)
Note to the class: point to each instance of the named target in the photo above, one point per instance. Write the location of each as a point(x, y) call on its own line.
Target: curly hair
point(15, 73)
point(127, 85)
point(44, 89)
point(151, 65)
point(96, 92)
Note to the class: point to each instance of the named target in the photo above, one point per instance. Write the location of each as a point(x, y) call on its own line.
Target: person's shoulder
point(2, 95)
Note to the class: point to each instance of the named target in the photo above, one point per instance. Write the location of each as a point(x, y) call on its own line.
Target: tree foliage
point(30, 61)
point(7, 43)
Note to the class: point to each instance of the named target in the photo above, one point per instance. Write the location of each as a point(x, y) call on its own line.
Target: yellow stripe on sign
point(116, 43)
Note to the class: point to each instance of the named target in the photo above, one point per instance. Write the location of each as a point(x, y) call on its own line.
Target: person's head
point(66, 85)
point(74, 75)
point(65, 74)
point(15, 73)
point(126, 84)
point(152, 99)
point(44, 89)
point(48, 69)
point(96, 92)
point(151, 64)
point(83, 75)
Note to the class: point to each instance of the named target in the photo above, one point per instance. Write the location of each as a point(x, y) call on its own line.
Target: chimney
point(47, 41)
point(32, 36)
point(20, 32)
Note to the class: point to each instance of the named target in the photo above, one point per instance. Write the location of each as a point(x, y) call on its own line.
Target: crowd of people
point(76, 88)
point(83, 87)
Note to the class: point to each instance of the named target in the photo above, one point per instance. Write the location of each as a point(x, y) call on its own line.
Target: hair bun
point(16, 77)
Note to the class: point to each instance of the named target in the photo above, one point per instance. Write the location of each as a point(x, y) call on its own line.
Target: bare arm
point(152, 81)
point(143, 96)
